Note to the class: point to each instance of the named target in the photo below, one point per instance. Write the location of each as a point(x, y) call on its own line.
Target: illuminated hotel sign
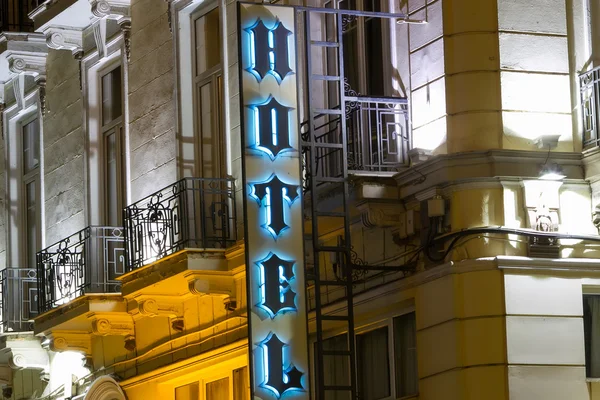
point(272, 203)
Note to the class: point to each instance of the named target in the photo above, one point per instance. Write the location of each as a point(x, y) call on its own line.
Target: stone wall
point(152, 119)
point(64, 148)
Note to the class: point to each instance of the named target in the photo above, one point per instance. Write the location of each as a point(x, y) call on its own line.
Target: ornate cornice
point(64, 38)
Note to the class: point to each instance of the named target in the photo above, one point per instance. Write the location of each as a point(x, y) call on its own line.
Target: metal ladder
point(319, 149)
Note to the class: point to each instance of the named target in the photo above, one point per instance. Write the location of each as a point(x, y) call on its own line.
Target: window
point(31, 190)
point(208, 97)
point(218, 390)
point(405, 355)
point(187, 392)
point(113, 147)
point(373, 365)
point(591, 329)
point(381, 374)
point(241, 384)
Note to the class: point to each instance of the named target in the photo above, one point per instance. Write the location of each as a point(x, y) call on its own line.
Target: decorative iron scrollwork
point(193, 212)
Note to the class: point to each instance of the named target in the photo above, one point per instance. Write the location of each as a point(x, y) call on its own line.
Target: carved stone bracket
point(22, 351)
point(381, 215)
point(162, 307)
point(61, 38)
point(113, 9)
point(112, 324)
point(30, 63)
point(218, 285)
point(78, 341)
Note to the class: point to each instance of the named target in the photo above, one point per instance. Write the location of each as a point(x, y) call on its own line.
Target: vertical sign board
point(272, 203)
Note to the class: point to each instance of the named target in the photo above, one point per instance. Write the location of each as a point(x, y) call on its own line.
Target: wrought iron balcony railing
point(191, 213)
point(377, 137)
point(14, 15)
point(87, 262)
point(19, 299)
point(590, 103)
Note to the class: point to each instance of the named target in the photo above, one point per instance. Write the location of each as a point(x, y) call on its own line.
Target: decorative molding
point(79, 341)
point(163, 307)
point(105, 388)
point(2, 108)
point(170, 15)
point(126, 29)
point(42, 94)
point(112, 324)
point(63, 38)
point(79, 58)
point(113, 9)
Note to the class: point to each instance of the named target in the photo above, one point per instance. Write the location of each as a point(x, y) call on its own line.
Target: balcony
point(590, 103)
point(19, 299)
point(14, 15)
point(193, 213)
point(87, 262)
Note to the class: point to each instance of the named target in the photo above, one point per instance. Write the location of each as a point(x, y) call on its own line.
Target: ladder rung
point(329, 179)
point(333, 283)
point(327, 111)
point(337, 387)
point(332, 78)
point(336, 353)
point(330, 214)
point(331, 249)
point(324, 44)
point(329, 145)
point(334, 317)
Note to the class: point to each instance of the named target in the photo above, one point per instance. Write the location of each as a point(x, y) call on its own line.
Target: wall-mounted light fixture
point(549, 171)
point(552, 172)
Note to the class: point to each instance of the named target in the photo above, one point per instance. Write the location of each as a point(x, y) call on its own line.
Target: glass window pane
point(187, 392)
point(210, 133)
point(405, 354)
point(31, 146)
point(241, 384)
point(591, 328)
point(336, 368)
point(373, 365)
point(31, 223)
point(218, 390)
point(112, 181)
point(208, 41)
point(111, 96)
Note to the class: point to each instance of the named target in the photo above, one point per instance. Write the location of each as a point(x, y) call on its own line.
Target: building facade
point(206, 199)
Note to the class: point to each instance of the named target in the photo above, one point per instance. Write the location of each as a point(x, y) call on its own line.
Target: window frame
point(93, 66)
point(212, 76)
point(387, 322)
point(24, 179)
point(115, 126)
